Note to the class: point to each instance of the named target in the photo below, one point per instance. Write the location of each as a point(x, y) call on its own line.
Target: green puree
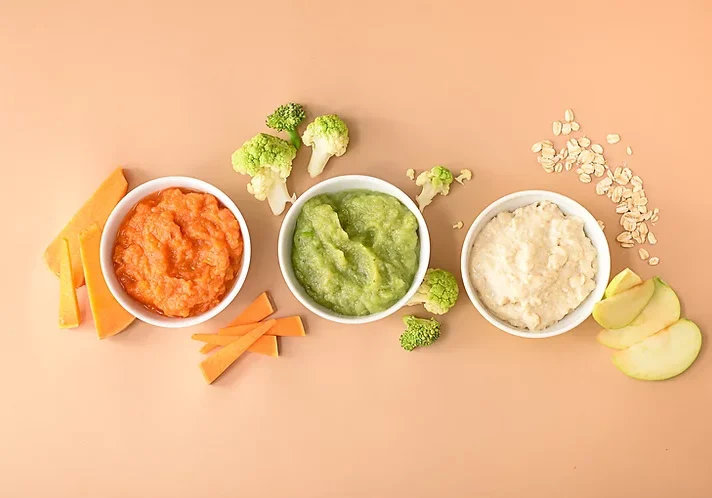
point(355, 252)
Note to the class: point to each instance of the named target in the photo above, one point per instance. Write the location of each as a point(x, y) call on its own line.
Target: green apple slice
point(622, 282)
point(618, 311)
point(662, 355)
point(662, 311)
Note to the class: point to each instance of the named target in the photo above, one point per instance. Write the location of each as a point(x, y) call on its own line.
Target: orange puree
point(178, 252)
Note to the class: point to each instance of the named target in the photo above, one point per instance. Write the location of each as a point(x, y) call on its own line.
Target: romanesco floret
point(268, 160)
point(287, 118)
point(438, 292)
point(327, 136)
point(419, 332)
point(434, 182)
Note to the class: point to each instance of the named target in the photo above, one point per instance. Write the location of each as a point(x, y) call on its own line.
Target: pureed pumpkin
point(178, 252)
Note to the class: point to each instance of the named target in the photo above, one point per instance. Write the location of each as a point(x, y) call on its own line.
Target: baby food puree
point(355, 252)
point(178, 253)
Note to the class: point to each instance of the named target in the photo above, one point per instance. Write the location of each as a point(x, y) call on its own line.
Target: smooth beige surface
point(172, 89)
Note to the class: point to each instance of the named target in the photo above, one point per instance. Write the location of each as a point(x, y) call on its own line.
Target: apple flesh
point(663, 355)
point(661, 311)
point(625, 280)
point(621, 309)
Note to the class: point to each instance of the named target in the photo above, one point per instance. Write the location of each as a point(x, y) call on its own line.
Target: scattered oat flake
point(627, 245)
point(566, 129)
point(410, 173)
point(575, 126)
point(597, 148)
point(654, 261)
point(652, 239)
point(458, 225)
point(601, 224)
point(537, 147)
point(568, 115)
point(613, 138)
point(556, 128)
point(624, 237)
point(643, 254)
point(629, 151)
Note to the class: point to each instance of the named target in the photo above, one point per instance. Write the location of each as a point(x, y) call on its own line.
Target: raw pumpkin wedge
point(267, 344)
point(69, 316)
point(110, 317)
point(290, 326)
point(95, 210)
point(214, 365)
point(258, 310)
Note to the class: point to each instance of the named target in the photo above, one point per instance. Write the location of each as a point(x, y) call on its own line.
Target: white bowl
point(108, 238)
point(339, 184)
point(569, 207)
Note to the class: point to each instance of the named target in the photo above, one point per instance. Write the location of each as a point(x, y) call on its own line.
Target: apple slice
point(662, 311)
point(663, 355)
point(618, 311)
point(622, 282)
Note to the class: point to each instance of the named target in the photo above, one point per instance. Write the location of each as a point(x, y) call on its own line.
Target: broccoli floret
point(287, 118)
point(438, 292)
point(268, 160)
point(419, 332)
point(434, 182)
point(327, 136)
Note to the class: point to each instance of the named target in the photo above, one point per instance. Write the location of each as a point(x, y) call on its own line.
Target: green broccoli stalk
point(287, 118)
point(268, 160)
point(419, 332)
point(327, 136)
point(438, 292)
point(434, 182)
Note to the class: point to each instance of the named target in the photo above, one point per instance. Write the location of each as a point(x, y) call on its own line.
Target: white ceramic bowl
point(111, 229)
point(569, 207)
point(339, 184)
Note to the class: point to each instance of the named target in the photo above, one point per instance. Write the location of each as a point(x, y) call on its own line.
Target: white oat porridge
point(532, 266)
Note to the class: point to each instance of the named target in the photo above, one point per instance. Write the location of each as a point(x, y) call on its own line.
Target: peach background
point(171, 88)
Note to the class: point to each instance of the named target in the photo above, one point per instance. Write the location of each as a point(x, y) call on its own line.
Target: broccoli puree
point(355, 252)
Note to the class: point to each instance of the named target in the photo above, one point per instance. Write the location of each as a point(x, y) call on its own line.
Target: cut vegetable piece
point(267, 344)
point(69, 316)
point(662, 311)
point(258, 310)
point(213, 366)
point(206, 348)
point(289, 326)
point(618, 311)
point(622, 282)
point(109, 317)
point(663, 355)
point(95, 210)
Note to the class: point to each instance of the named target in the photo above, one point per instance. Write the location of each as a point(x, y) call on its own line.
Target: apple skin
point(622, 282)
point(663, 355)
point(662, 311)
point(618, 311)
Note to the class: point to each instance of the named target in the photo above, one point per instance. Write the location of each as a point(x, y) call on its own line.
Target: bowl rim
point(603, 261)
point(284, 247)
point(117, 216)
